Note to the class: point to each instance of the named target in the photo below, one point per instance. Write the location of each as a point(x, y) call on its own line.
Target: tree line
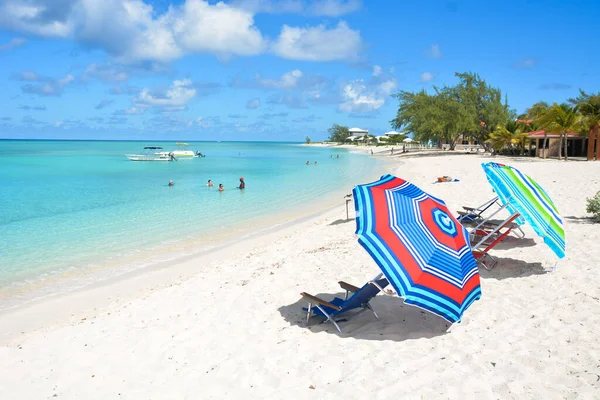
point(472, 108)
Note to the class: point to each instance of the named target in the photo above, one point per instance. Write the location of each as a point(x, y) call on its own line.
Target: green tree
point(483, 105)
point(338, 133)
point(560, 119)
point(307, 140)
point(436, 117)
point(471, 108)
point(508, 136)
point(588, 105)
point(396, 139)
point(534, 113)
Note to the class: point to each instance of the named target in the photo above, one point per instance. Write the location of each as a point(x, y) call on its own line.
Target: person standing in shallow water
point(210, 183)
point(242, 184)
point(221, 188)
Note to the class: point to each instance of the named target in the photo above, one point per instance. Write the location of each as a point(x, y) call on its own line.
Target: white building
point(358, 132)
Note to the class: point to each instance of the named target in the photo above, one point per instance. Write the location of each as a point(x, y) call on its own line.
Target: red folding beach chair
point(488, 226)
point(482, 241)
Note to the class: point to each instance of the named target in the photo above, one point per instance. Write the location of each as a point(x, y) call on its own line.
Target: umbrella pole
point(348, 200)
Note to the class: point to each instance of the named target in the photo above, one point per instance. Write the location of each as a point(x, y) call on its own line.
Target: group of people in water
point(331, 156)
point(222, 188)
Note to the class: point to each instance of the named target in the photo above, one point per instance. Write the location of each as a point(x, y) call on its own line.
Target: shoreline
point(230, 323)
point(262, 227)
point(59, 308)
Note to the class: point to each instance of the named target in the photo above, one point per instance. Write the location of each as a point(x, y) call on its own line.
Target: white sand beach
point(229, 324)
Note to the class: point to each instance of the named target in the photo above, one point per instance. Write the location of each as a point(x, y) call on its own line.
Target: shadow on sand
point(511, 268)
point(398, 321)
point(511, 242)
point(581, 220)
point(341, 221)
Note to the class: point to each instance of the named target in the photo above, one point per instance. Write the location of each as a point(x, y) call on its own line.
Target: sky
point(273, 70)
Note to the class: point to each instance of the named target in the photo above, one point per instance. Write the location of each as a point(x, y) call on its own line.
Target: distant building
point(576, 144)
point(358, 132)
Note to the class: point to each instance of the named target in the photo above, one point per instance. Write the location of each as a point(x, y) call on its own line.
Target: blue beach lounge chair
point(360, 298)
point(473, 214)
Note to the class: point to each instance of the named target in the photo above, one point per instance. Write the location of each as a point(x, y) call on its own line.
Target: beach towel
point(442, 179)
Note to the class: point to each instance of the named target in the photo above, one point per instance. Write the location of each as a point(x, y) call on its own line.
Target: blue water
point(70, 206)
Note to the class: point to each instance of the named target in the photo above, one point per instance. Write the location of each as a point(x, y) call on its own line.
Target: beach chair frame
point(485, 226)
point(496, 235)
point(320, 304)
point(474, 213)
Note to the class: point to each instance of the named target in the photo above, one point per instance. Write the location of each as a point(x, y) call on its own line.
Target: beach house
point(576, 144)
point(357, 134)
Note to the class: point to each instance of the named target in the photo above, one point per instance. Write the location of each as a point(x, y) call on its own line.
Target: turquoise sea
point(76, 211)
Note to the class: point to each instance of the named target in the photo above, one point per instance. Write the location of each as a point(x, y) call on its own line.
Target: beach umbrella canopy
point(524, 196)
point(423, 251)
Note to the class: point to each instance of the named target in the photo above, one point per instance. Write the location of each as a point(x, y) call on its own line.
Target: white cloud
point(36, 17)
point(319, 43)
point(327, 8)
point(434, 51)
point(103, 104)
point(42, 85)
point(219, 29)
point(334, 8)
point(526, 63)
point(15, 42)
point(427, 77)
point(360, 97)
point(289, 80)
point(253, 104)
point(377, 70)
point(175, 98)
point(270, 6)
point(131, 30)
point(105, 72)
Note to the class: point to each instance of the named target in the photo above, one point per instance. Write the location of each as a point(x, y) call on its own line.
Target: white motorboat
point(181, 153)
point(151, 155)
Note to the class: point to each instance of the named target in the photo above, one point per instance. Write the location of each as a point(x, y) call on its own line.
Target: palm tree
point(560, 119)
point(589, 107)
point(508, 135)
point(534, 113)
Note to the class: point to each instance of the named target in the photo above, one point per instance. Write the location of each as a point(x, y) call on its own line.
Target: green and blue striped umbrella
point(524, 196)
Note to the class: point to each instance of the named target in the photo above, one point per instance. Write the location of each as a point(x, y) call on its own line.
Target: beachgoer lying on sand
point(446, 179)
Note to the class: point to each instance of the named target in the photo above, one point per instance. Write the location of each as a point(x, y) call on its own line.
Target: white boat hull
point(179, 153)
point(148, 157)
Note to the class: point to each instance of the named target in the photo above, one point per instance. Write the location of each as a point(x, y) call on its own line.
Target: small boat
point(151, 155)
point(180, 152)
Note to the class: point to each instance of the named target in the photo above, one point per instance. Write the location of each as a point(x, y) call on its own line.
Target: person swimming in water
point(210, 183)
point(308, 163)
point(242, 184)
point(221, 188)
point(171, 183)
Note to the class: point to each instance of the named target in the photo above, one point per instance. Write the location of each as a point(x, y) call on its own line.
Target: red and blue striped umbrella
point(423, 251)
